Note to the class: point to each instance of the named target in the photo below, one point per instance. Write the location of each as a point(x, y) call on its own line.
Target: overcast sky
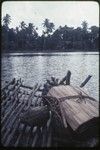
point(60, 13)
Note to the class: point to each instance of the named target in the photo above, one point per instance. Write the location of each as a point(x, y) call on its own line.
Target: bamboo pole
point(29, 100)
point(10, 111)
point(12, 82)
point(14, 92)
point(35, 137)
point(66, 78)
point(11, 88)
point(20, 136)
point(12, 134)
point(44, 136)
point(3, 108)
point(13, 114)
point(28, 87)
point(11, 124)
point(85, 81)
point(5, 140)
point(34, 102)
point(28, 136)
point(63, 116)
point(49, 130)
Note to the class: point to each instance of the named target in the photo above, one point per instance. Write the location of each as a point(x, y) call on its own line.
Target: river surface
point(37, 67)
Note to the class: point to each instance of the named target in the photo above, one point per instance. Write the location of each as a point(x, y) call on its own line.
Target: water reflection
point(38, 68)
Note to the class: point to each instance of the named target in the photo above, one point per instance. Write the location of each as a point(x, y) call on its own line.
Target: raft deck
point(17, 99)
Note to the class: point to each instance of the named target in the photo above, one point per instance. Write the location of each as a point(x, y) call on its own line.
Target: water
point(38, 67)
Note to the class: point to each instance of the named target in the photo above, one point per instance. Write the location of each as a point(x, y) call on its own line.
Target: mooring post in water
point(85, 81)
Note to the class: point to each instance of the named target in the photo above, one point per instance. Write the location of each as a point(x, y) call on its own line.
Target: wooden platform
point(76, 106)
point(17, 98)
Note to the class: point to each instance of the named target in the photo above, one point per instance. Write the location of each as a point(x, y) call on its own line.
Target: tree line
point(25, 38)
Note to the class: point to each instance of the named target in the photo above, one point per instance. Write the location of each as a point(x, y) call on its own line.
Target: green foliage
point(26, 38)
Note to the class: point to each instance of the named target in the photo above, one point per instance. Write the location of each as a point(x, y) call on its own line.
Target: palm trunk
point(44, 42)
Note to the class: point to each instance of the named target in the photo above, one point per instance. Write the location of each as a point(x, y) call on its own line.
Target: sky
point(59, 12)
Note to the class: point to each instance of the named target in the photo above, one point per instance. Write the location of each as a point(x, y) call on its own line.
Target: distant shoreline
point(47, 51)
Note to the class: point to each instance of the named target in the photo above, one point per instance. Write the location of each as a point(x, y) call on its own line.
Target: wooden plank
point(85, 81)
point(71, 91)
point(35, 137)
point(71, 121)
point(66, 78)
point(11, 109)
point(53, 93)
point(39, 101)
point(11, 124)
point(63, 116)
point(8, 112)
point(11, 82)
point(78, 89)
point(49, 140)
point(81, 115)
point(76, 113)
point(14, 92)
point(11, 135)
point(62, 91)
point(7, 136)
point(91, 108)
point(36, 87)
point(13, 114)
point(49, 131)
point(29, 137)
point(94, 103)
point(20, 136)
point(44, 136)
point(4, 135)
point(27, 87)
point(71, 106)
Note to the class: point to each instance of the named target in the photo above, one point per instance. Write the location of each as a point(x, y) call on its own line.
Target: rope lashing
point(79, 96)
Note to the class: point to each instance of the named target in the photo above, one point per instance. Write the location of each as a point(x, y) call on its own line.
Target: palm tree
point(48, 28)
point(84, 34)
point(6, 21)
point(5, 30)
point(30, 28)
point(22, 34)
point(84, 25)
point(31, 34)
point(23, 25)
point(94, 36)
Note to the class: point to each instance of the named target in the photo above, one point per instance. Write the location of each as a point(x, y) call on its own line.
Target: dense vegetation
point(25, 38)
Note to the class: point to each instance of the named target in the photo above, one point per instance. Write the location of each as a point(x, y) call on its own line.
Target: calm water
point(34, 68)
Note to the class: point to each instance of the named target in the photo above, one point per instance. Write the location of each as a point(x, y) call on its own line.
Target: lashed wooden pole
point(66, 78)
point(85, 81)
point(9, 83)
